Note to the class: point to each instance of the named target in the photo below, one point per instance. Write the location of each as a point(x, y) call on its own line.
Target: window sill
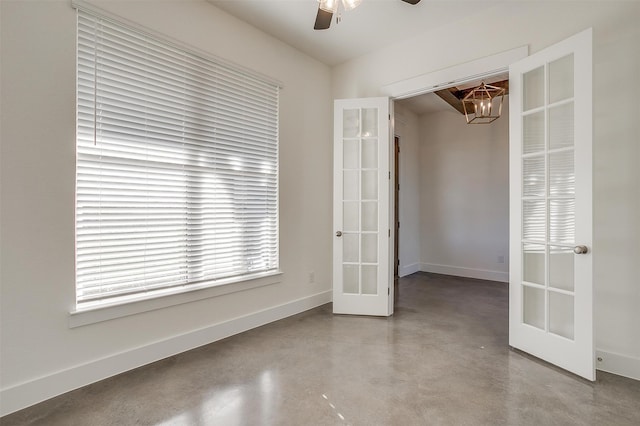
point(95, 314)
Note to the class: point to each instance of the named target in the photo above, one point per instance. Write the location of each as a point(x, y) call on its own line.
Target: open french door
point(551, 283)
point(361, 277)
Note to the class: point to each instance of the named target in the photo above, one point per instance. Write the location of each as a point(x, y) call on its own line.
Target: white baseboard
point(458, 271)
point(32, 392)
point(622, 365)
point(408, 269)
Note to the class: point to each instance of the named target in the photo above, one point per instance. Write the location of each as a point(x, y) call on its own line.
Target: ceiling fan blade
point(323, 20)
point(411, 1)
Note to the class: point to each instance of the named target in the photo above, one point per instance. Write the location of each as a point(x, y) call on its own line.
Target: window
point(177, 167)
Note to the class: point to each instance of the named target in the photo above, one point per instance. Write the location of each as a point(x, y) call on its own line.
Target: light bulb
point(350, 4)
point(329, 5)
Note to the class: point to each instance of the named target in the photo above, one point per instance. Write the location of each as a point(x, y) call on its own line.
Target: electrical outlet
point(312, 277)
point(500, 259)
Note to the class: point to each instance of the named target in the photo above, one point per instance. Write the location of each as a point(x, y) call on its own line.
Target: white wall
point(539, 24)
point(40, 355)
point(464, 196)
point(406, 128)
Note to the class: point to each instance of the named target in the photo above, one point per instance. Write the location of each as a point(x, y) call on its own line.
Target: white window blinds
point(177, 167)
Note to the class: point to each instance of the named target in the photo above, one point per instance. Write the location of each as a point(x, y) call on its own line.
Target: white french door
point(361, 278)
point(551, 288)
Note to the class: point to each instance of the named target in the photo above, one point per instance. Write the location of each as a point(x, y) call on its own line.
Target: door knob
point(339, 234)
point(580, 249)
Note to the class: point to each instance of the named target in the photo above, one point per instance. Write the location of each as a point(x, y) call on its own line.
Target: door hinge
point(389, 175)
point(389, 117)
point(389, 232)
point(398, 224)
point(388, 290)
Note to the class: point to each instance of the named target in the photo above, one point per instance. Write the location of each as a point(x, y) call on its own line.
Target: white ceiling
point(372, 25)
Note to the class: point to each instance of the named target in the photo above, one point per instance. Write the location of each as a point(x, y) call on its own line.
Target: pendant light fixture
point(483, 105)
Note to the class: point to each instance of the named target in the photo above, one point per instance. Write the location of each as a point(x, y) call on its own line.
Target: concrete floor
point(442, 359)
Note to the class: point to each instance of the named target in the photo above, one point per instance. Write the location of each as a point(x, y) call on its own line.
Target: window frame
point(105, 312)
point(195, 290)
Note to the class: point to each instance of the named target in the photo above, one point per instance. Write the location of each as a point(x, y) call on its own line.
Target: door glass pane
point(548, 117)
point(561, 314)
point(562, 221)
point(369, 248)
point(351, 123)
point(533, 133)
point(350, 248)
point(370, 153)
point(561, 267)
point(369, 122)
point(369, 279)
point(350, 154)
point(533, 89)
point(561, 126)
point(350, 279)
point(360, 201)
point(533, 306)
point(533, 179)
point(351, 216)
point(561, 79)
point(351, 179)
point(369, 216)
point(562, 177)
point(533, 269)
point(534, 220)
point(369, 185)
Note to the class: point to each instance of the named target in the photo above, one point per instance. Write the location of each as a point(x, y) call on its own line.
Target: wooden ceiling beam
point(449, 96)
point(454, 97)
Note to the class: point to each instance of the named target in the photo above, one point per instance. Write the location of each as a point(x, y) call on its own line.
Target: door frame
point(486, 67)
point(396, 216)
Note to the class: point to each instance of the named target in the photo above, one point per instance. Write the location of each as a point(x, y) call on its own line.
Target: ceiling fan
point(327, 8)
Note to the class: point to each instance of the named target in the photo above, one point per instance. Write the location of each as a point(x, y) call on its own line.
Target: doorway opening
point(422, 88)
point(452, 216)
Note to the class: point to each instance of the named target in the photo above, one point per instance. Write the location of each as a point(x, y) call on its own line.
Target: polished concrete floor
point(442, 359)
